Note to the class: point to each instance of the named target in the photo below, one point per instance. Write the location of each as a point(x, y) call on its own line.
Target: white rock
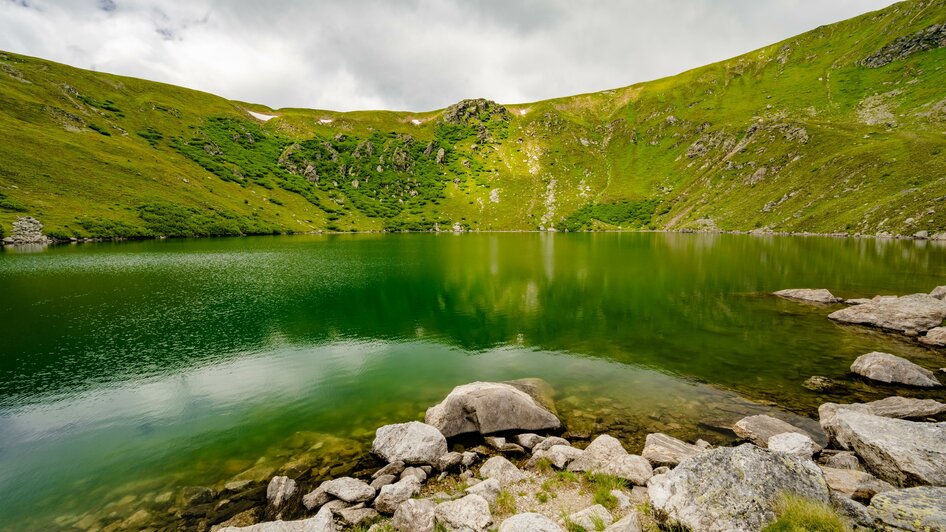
point(922, 508)
point(548, 443)
point(412, 443)
point(811, 295)
point(392, 495)
point(857, 485)
point(488, 489)
point(917, 312)
point(529, 440)
point(629, 523)
point(794, 443)
point(415, 472)
point(469, 513)
point(502, 470)
point(606, 455)
point(322, 522)
point(279, 491)
point(316, 498)
point(935, 337)
point(348, 489)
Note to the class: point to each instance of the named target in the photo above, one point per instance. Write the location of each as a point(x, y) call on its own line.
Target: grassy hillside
point(841, 129)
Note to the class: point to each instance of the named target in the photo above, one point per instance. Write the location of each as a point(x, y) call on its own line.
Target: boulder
point(629, 523)
point(469, 513)
point(733, 488)
point(489, 407)
point(589, 517)
point(856, 512)
point(758, 429)
point(623, 501)
point(794, 443)
point(316, 499)
point(606, 455)
point(529, 522)
point(468, 458)
point(548, 443)
point(884, 367)
point(663, 450)
point(529, 440)
point(904, 453)
point(905, 407)
point(857, 485)
point(278, 494)
point(451, 460)
point(415, 472)
point(348, 489)
point(412, 443)
point(502, 470)
point(817, 383)
point(394, 468)
point(920, 509)
point(392, 495)
point(415, 515)
point(935, 337)
point(488, 489)
point(323, 521)
point(558, 455)
point(811, 295)
point(917, 313)
point(939, 293)
point(355, 517)
point(383, 480)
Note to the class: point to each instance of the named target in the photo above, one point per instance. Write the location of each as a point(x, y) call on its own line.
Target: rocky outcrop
point(469, 513)
point(920, 509)
point(663, 450)
point(732, 488)
point(811, 295)
point(884, 367)
point(758, 429)
point(606, 455)
point(921, 41)
point(529, 522)
point(412, 443)
point(903, 453)
point(908, 314)
point(27, 230)
point(489, 407)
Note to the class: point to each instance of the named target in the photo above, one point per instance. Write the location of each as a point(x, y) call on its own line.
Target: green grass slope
point(841, 129)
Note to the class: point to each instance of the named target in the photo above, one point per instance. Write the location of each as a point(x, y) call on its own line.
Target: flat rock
point(489, 407)
point(415, 515)
point(383, 480)
point(348, 489)
point(488, 489)
point(903, 453)
point(906, 407)
point(606, 455)
point(469, 513)
point(392, 495)
point(857, 485)
point(502, 470)
point(322, 522)
point(663, 450)
point(586, 518)
point(917, 313)
point(794, 443)
point(733, 488)
point(758, 429)
point(935, 337)
point(884, 367)
point(629, 523)
point(529, 522)
point(811, 295)
point(920, 509)
point(412, 443)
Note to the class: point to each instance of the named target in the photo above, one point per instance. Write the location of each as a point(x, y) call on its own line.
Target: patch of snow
point(325, 120)
point(261, 116)
point(416, 122)
point(522, 112)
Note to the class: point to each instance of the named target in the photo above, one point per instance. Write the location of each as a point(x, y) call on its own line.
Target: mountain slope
point(841, 129)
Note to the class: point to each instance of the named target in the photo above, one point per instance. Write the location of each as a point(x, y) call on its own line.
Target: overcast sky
point(403, 54)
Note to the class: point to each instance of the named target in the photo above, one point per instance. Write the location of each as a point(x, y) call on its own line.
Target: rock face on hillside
point(927, 39)
point(478, 109)
point(884, 367)
point(914, 313)
point(904, 453)
point(732, 488)
point(489, 407)
point(28, 230)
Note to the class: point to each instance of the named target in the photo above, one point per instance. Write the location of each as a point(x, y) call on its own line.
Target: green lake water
point(129, 370)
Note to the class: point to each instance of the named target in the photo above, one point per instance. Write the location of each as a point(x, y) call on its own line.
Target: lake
point(129, 370)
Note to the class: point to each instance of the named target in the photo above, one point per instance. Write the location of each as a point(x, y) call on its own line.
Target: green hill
point(841, 129)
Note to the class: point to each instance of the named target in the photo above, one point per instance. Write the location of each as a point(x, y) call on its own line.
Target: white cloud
point(410, 54)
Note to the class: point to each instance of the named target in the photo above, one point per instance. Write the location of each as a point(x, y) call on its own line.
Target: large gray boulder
point(606, 455)
point(733, 488)
point(915, 313)
point(529, 522)
point(903, 453)
point(392, 495)
point(758, 429)
point(663, 450)
point(415, 515)
point(884, 367)
point(488, 407)
point(471, 513)
point(412, 443)
point(921, 509)
point(935, 337)
point(811, 295)
point(857, 485)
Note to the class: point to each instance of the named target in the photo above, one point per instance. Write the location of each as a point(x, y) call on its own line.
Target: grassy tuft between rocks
point(798, 514)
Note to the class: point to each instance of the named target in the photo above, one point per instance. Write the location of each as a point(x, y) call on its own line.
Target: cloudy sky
point(403, 54)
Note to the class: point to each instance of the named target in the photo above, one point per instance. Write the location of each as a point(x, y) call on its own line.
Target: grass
point(798, 514)
point(784, 138)
point(505, 503)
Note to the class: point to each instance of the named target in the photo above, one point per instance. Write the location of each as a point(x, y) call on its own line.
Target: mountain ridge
point(805, 135)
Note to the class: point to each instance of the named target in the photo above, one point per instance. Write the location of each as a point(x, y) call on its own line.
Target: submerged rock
point(489, 407)
point(733, 488)
point(884, 367)
point(811, 295)
point(758, 429)
point(529, 522)
point(412, 443)
point(606, 455)
point(914, 313)
point(817, 383)
point(663, 450)
point(904, 453)
point(920, 509)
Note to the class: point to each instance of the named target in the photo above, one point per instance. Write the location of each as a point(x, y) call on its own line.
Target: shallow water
point(128, 370)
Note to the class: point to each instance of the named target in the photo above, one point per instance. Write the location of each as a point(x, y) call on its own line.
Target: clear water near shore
point(131, 369)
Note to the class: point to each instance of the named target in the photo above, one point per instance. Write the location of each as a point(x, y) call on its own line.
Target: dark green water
point(131, 369)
